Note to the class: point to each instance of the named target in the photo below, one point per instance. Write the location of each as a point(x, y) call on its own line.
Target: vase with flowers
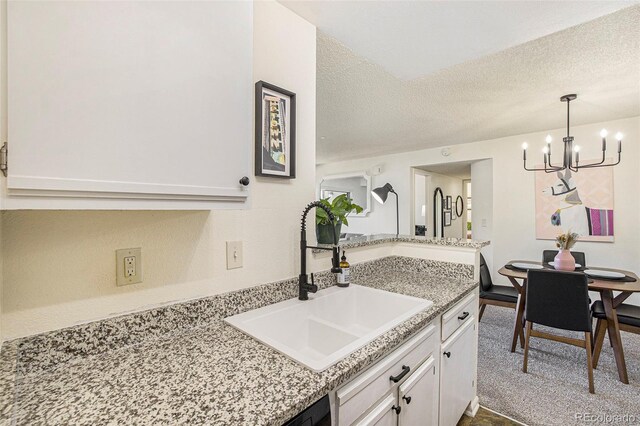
point(564, 260)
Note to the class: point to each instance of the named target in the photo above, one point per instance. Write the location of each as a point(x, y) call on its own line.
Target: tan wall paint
point(60, 266)
point(3, 118)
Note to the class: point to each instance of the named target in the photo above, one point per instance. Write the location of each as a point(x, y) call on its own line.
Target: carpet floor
point(555, 389)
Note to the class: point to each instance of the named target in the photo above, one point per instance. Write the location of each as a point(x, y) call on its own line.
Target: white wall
point(419, 200)
point(512, 198)
point(60, 266)
point(482, 205)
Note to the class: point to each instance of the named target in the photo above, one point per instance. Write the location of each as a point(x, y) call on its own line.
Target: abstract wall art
point(580, 202)
point(275, 131)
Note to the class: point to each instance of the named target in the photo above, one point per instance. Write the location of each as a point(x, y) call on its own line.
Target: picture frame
point(449, 202)
point(447, 218)
point(275, 131)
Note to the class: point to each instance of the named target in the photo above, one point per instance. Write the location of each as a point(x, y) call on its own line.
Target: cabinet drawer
point(355, 398)
point(460, 314)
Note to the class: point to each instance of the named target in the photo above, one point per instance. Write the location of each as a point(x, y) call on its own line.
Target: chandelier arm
point(537, 169)
point(594, 165)
point(599, 163)
point(549, 158)
point(551, 169)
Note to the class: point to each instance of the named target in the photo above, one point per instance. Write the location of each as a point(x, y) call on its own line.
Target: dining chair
point(496, 295)
point(558, 300)
point(549, 256)
point(628, 320)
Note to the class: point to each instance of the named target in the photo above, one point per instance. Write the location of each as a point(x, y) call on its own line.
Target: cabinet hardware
point(3, 159)
point(463, 316)
point(244, 181)
point(408, 399)
point(405, 371)
point(447, 354)
point(396, 409)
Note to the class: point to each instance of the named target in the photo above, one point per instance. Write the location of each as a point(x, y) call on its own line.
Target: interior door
point(418, 396)
point(456, 374)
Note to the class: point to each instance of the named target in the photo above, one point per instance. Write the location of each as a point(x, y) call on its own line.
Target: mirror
point(438, 213)
point(459, 206)
point(356, 185)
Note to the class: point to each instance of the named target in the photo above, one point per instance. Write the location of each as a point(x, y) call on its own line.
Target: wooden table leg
point(518, 325)
point(614, 334)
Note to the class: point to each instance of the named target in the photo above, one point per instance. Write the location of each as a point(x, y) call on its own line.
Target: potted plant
point(341, 207)
point(564, 260)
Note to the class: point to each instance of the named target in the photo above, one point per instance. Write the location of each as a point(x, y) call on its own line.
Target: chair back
point(558, 299)
point(549, 255)
point(485, 275)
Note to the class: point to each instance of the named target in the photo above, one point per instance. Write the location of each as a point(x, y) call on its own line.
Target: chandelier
point(571, 153)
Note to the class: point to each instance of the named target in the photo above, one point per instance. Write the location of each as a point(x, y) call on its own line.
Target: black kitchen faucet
point(303, 285)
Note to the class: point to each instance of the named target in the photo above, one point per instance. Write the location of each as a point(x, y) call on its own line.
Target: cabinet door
point(383, 414)
point(457, 374)
point(109, 99)
point(418, 396)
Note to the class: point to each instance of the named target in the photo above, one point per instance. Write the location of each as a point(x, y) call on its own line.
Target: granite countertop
point(370, 240)
point(211, 374)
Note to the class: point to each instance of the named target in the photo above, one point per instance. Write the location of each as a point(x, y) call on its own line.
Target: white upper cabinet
point(120, 103)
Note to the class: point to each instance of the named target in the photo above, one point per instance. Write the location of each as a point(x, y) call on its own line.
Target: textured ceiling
point(363, 110)
point(411, 39)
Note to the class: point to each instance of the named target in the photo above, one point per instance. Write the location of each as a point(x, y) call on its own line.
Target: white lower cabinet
point(428, 380)
point(457, 373)
point(383, 414)
point(418, 396)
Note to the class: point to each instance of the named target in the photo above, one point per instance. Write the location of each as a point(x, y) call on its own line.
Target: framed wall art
point(447, 218)
point(275, 150)
point(581, 202)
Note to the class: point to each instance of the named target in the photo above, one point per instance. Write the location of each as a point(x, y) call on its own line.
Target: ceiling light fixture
point(569, 160)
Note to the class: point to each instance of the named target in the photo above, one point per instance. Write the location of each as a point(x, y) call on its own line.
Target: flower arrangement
point(567, 240)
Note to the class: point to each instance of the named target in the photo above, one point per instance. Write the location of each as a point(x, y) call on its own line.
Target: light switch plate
point(128, 266)
point(234, 254)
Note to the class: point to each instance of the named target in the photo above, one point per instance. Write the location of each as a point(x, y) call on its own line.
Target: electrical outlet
point(234, 254)
point(128, 266)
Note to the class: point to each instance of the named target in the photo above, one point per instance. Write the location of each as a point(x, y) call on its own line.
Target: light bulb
point(548, 139)
point(525, 146)
point(576, 148)
point(619, 136)
point(603, 133)
point(545, 150)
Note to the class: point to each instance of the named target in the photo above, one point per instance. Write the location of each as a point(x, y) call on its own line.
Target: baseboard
point(506, 417)
point(472, 408)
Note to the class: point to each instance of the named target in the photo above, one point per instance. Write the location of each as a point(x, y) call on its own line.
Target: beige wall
point(60, 266)
point(3, 121)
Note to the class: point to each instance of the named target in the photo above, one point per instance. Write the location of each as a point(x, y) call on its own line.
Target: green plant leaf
point(340, 207)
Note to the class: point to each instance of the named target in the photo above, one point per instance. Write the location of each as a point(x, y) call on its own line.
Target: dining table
point(606, 288)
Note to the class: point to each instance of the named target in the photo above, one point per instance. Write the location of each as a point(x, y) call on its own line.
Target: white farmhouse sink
point(330, 325)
